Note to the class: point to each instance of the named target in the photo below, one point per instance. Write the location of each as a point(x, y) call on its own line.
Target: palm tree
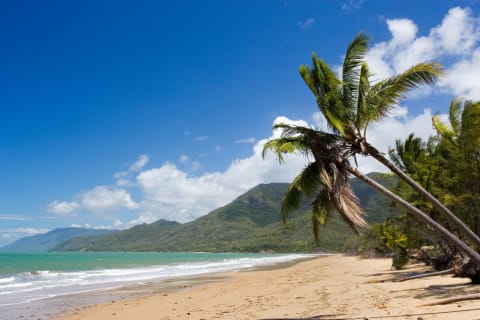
point(350, 104)
point(325, 179)
point(407, 154)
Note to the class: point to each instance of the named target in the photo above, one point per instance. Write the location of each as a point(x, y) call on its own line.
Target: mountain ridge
point(47, 241)
point(251, 222)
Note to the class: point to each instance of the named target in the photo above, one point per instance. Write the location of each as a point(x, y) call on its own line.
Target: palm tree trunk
point(426, 275)
point(464, 229)
point(422, 216)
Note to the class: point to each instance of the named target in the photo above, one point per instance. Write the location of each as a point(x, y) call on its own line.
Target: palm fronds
point(325, 179)
point(385, 94)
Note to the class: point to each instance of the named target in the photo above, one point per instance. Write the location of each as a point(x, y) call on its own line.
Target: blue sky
point(120, 112)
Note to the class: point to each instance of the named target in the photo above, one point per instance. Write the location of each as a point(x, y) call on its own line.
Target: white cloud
point(122, 177)
point(351, 5)
point(246, 140)
point(102, 227)
point(455, 41)
point(306, 24)
point(462, 77)
point(403, 31)
point(27, 231)
point(183, 159)
point(13, 217)
point(173, 194)
point(140, 220)
point(119, 175)
point(201, 138)
point(63, 208)
point(458, 32)
point(196, 166)
point(105, 198)
point(140, 163)
point(124, 183)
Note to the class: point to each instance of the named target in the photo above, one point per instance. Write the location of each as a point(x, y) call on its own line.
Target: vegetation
point(250, 223)
point(446, 166)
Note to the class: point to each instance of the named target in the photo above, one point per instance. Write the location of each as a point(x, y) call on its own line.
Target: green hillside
point(249, 223)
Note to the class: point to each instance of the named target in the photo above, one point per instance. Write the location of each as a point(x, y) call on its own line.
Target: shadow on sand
point(353, 317)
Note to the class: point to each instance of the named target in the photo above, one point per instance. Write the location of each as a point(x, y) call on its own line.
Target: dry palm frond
point(345, 201)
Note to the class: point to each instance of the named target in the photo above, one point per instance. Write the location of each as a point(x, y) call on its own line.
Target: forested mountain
point(251, 222)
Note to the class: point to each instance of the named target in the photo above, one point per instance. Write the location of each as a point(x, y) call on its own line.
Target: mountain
point(47, 241)
point(250, 223)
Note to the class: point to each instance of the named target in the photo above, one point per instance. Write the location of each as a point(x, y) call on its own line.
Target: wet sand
point(332, 287)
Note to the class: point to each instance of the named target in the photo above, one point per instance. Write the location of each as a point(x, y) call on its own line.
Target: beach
point(328, 287)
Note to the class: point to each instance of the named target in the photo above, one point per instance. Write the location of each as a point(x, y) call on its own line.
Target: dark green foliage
point(389, 238)
point(261, 205)
point(447, 167)
point(251, 223)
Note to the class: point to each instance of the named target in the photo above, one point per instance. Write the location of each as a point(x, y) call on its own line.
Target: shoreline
point(50, 307)
point(326, 287)
point(58, 292)
point(160, 287)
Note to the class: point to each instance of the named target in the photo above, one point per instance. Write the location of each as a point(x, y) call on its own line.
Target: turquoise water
point(12, 263)
point(29, 277)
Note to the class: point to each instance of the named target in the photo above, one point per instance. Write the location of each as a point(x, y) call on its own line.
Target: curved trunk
point(474, 296)
point(426, 275)
point(422, 216)
point(464, 229)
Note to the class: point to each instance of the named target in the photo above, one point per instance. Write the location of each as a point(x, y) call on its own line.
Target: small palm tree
point(407, 154)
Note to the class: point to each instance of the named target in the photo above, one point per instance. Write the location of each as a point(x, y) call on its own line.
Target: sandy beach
point(331, 287)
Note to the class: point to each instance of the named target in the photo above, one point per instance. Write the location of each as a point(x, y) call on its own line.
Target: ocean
point(38, 277)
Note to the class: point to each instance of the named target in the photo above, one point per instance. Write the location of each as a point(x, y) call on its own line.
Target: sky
point(116, 113)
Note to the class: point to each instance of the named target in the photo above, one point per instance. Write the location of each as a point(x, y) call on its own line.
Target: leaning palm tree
point(325, 179)
point(351, 103)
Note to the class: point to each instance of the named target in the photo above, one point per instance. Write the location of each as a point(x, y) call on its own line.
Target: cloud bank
point(454, 41)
